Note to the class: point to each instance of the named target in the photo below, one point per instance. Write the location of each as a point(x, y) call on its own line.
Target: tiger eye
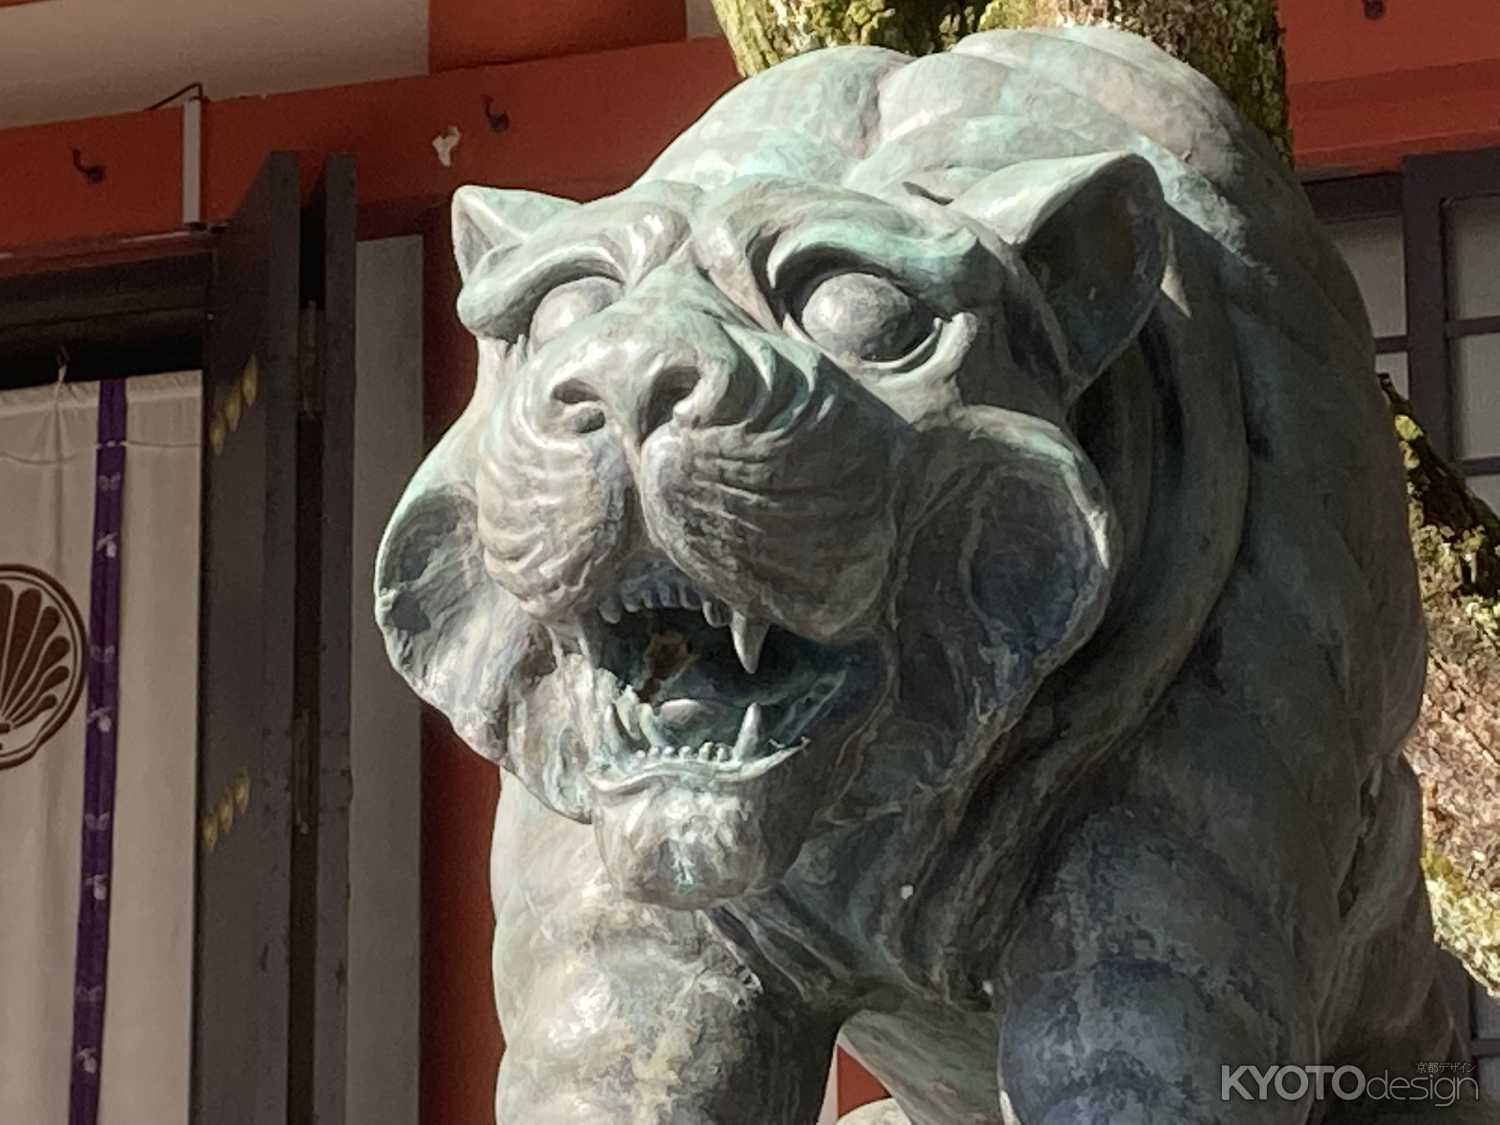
point(865, 317)
point(569, 303)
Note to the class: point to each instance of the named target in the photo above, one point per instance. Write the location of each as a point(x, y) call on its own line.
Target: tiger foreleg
point(1141, 983)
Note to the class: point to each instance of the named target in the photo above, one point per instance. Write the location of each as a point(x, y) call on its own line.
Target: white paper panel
point(1476, 395)
point(1474, 257)
point(1374, 251)
point(1488, 490)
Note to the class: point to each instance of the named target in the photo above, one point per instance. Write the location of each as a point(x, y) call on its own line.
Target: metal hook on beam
point(499, 122)
point(93, 173)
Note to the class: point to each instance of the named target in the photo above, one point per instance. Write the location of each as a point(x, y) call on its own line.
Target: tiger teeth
point(617, 725)
point(627, 710)
point(665, 592)
point(671, 592)
point(749, 636)
point(650, 727)
point(708, 752)
point(631, 721)
point(750, 733)
point(590, 643)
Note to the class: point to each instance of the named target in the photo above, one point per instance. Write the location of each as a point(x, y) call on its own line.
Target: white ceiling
point(64, 59)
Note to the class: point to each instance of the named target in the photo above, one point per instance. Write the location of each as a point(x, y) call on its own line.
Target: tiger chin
point(876, 545)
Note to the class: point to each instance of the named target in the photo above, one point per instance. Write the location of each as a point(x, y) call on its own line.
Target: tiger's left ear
point(1094, 232)
point(486, 219)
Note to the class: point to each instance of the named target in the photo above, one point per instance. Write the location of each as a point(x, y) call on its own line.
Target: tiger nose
point(654, 360)
point(638, 402)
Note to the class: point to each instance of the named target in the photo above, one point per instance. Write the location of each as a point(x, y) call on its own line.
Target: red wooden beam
point(44, 198)
point(1366, 92)
point(1369, 123)
point(462, 33)
point(1328, 40)
point(579, 126)
point(583, 125)
point(576, 126)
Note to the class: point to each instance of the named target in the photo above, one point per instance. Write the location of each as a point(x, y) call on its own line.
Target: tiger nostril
point(573, 392)
point(582, 408)
point(588, 420)
point(668, 389)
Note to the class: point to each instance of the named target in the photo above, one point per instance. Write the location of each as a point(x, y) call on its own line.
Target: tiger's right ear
point(486, 219)
point(1095, 232)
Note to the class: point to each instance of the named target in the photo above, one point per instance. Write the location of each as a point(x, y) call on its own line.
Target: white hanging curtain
point(99, 519)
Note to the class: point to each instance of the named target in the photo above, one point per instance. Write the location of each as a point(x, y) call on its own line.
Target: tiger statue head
point(847, 463)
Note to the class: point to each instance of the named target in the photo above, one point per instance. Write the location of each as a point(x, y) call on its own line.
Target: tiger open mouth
point(703, 692)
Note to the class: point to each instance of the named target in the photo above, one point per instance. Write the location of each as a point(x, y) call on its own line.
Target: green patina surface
point(1237, 43)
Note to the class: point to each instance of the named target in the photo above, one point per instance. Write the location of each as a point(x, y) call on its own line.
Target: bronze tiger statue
point(933, 554)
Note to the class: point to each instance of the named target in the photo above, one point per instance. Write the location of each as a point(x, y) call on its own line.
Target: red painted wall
point(465, 33)
point(460, 1033)
point(856, 1085)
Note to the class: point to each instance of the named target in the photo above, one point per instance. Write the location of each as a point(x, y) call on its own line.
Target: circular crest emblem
point(41, 660)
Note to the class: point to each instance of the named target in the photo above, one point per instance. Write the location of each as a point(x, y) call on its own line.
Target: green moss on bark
point(1455, 748)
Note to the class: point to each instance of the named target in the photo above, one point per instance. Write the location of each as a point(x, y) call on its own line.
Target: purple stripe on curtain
point(92, 963)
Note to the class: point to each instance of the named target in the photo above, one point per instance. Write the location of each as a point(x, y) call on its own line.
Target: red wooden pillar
point(856, 1085)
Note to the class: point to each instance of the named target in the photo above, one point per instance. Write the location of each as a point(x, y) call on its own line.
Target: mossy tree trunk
point(1455, 747)
point(1237, 43)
